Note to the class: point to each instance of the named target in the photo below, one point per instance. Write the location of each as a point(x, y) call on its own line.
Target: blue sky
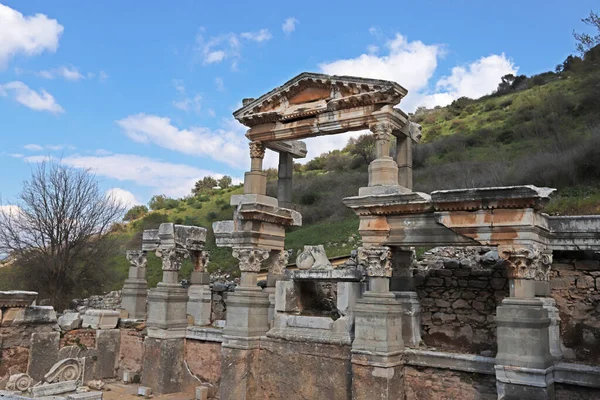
point(142, 92)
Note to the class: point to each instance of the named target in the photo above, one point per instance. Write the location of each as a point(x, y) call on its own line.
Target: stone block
point(43, 354)
point(200, 278)
point(199, 304)
point(587, 265)
point(347, 294)
point(52, 389)
point(69, 321)
point(144, 391)
point(100, 319)
point(287, 298)
point(164, 368)
point(108, 344)
point(201, 393)
point(85, 396)
point(167, 309)
point(134, 296)
point(585, 282)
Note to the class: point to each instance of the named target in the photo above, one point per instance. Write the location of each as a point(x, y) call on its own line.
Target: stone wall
point(422, 383)
point(108, 301)
point(204, 360)
point(79, 337)
point(131, 353)
point(576, 289)
point(459, 290)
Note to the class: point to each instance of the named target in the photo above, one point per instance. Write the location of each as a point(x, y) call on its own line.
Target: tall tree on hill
point(58, 233)
point(203, 185)
point(586, 42)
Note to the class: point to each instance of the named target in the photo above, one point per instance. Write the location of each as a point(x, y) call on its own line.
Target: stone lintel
point(206, 334)
point(527, 196)
point(17, 298)
point(296, 148)
point(335, 275)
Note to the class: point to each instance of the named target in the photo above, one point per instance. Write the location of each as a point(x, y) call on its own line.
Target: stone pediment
point(310, 94)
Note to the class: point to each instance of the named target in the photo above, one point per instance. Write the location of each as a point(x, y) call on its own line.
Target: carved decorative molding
point(137, 258)
point(257, 150)
point(69, 369)
point(172, 258)
point(382, 130)
point(19, 382)
point(526, 261)
point(250, 258)
point(378, 260)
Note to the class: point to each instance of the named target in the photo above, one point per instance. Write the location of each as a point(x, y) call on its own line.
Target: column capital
point(526, 261)
point(250, 258)
point(280, 260)
point(257, 149)
point(382, 130)
point(136, 258)
point(378, 260)
point(172, 258)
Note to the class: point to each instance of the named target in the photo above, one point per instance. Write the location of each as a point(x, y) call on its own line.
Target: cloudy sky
point(143, 92)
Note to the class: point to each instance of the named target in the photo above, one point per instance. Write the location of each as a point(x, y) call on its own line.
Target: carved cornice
point(378, 260)
point(491, 198)
point(526, 261)
point(250, 258)
point(257, 150)
point(136, 258)
point(172, 258)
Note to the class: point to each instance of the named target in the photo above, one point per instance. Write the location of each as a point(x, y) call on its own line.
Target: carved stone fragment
point(526, 261)
point(172, 258)
point(20, 382)
point(313, 257)
point(250, 258)
point(137, 258)
point(377, 259)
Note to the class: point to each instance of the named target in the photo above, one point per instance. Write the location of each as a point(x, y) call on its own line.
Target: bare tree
point(585, 41)
point(58, 232)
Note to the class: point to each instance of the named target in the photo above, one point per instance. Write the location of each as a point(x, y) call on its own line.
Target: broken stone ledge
point(100, 319)
point(339, 275)
point(17, 298)
point(204, 333)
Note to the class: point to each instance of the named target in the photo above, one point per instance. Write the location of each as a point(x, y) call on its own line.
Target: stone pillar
point(284, 182)
point(164, 369)
point(135, 288)
point(277, 262)
point(199, 304)
point(255, 181)
point(377, 366)
point(247, 321)
point(524, 364)
point(404, 161)
point(383, 171)
point(403, 285)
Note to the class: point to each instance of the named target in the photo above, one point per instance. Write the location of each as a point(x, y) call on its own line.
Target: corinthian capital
point(172, 258)
point(382, 130)
point(257, 150)
point(250, 258)
point(378, 260)
point(278, 262)
point(136, 258)
point(526, 261)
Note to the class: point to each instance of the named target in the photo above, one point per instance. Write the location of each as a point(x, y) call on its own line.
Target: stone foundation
point(204, 360)
point(422, 383)
point(131, 355)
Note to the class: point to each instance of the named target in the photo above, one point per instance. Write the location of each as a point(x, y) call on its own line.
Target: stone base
point(167, 306)
point(238, 373)
point(411, 318)
point(514, 383)
point(385, 189)
point(164, 366)
point(199, 304)
point(383, 172)
point(378, 324)
point(133, 297)
point(247, 313)
point(370, 382)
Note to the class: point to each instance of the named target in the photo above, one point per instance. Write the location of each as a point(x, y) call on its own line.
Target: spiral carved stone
point(69, 369)
point(20, 382)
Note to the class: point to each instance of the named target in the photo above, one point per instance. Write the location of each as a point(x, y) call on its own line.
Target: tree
point(203, 185)
point(58, 234)
point(586, 42)
point(225, 182)
point(135, 212)
point(364, 147)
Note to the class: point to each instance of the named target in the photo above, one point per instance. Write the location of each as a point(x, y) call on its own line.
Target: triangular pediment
point(310, 93)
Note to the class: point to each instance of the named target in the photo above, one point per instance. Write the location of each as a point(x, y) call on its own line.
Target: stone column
point(277, 261)
point(403, 285)
point(255, 181)
point(383, 171)
point(199, 293)
point(404, 161)
point(377, 367)
point(247, 321)
point(164, 368)
point(524, 365)
point(135, 288)
point(284, 182)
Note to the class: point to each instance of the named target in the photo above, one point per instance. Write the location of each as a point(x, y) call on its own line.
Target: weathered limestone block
point(199, 304)
point(108, 344)
point(313, 257)
point(287, 298)
point(43, 354)
point(85, 396)
point(52, 389)
point(164, 369)
point(100, 319)
point(69, 321)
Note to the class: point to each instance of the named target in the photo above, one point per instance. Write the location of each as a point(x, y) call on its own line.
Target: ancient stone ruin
point(506, 305)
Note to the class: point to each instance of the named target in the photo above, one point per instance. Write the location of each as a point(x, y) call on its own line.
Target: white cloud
point(21, 93)
point(125, 197)
point(102, 76)
point(226, 145)
point(171, 179)
point(33, 147)
point(186, 104)
point(16, 155)
point(220, 84)
point(260, 36)
point(70, 73)
point(214, 57)
point(289, 25)
point(10, 209)
point(29, 35)
point(179, 86)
